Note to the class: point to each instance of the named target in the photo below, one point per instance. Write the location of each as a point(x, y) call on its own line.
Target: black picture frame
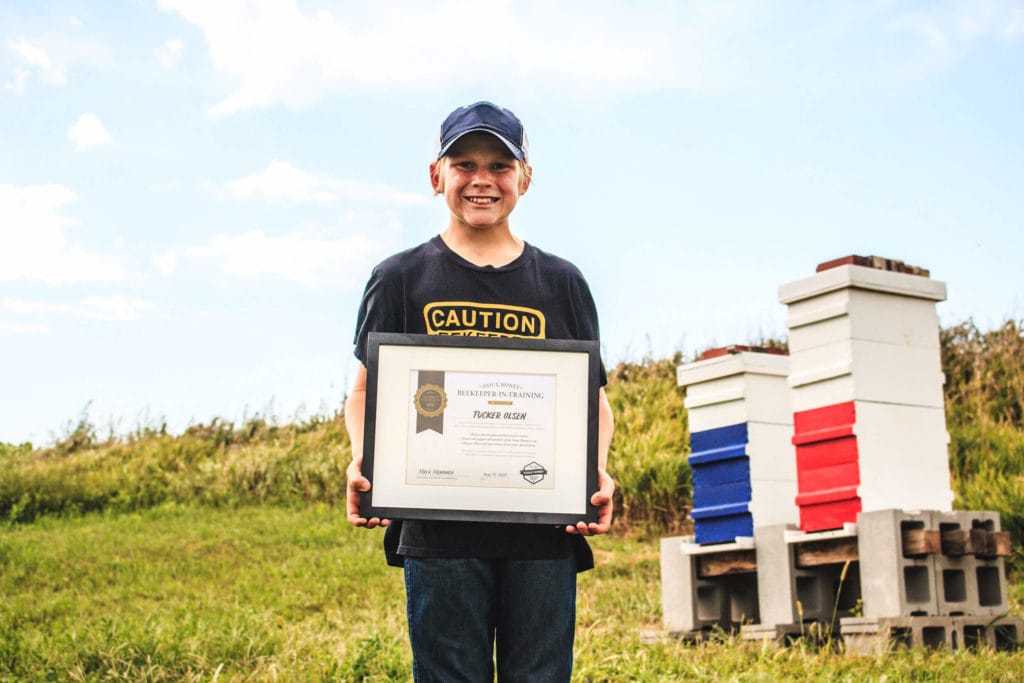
point(573, 366)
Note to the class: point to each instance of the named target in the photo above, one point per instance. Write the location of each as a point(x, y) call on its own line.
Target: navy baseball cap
point(484, 117)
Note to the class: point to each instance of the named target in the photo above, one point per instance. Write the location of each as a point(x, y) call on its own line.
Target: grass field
point(294, 593)
point(218, 554)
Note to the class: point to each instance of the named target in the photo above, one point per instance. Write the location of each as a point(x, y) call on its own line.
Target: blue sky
point(192, 193)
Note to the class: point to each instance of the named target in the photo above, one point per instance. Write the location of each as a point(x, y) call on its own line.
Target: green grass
point(294, 593)
point(221, 554)
point(185, 593)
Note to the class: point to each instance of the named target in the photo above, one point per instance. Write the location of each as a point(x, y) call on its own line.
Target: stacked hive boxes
point(741, 455)
point(879, 557)
point(867, 394)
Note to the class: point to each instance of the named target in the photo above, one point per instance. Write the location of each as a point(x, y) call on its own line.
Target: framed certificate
point(480, 429)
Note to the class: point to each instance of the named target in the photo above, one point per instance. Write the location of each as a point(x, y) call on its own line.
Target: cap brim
point(512, 147)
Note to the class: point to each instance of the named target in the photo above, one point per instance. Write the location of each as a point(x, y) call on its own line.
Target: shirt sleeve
point(585, 314)
point(381, 309)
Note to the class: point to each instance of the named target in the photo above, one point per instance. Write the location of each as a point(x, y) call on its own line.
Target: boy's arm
point(355, 407)
point(602, 499)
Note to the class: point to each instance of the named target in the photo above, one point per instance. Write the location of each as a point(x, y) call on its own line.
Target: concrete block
point(790, 594)
point(892, 583)
point(677, 584)
point(776, 580)
point(969, 584)
point(874, 636)
point(692, 604)
point(777, 635)
point(1000, 634)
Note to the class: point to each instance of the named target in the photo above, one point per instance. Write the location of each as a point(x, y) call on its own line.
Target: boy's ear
point(525, 182)
point(435, 177)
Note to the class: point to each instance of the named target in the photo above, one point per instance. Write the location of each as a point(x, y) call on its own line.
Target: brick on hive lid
point(877, 262)
point(739, 348)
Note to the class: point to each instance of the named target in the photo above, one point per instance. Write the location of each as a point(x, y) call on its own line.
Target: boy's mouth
point(481, 200)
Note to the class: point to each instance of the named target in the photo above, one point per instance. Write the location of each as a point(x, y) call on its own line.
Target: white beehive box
point(860, 333)
point(744, 386)
point(749, 387)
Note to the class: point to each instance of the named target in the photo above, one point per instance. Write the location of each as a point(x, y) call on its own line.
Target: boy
point(471, 587)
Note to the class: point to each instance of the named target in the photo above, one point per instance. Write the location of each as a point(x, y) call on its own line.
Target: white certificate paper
point(481, 429)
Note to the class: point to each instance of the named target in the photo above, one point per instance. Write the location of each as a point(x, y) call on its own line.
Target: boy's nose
point(482, 175)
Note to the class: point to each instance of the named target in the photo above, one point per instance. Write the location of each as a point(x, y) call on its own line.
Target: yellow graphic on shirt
point(471, 319)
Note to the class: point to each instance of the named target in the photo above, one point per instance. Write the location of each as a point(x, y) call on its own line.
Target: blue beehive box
point(721, 484)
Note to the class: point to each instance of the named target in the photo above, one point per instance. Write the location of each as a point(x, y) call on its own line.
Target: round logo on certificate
point(430, 400)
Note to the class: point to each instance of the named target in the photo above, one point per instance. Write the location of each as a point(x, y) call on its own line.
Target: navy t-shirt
point(430, 289)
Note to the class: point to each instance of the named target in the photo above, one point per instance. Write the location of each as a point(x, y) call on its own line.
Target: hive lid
point(736, 361)
point(875, 273)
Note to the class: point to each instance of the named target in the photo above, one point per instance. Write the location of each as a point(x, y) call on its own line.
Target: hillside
point(258, 461)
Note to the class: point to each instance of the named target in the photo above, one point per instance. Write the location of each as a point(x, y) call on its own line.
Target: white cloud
point(21, 328)
point(32, 60)
point(314, 257)
point(955, 27)
point(109, 308)
point(34, 241)
point(281, 55)
point(88, 132)
point(282, 182)
point(169, 54)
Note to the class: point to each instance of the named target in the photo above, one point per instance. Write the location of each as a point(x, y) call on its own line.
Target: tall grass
point(985, 414)
point(651, 443)
point(219, 464)
point(257, 461)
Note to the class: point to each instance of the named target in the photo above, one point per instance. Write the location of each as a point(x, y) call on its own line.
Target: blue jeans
point(459, 609)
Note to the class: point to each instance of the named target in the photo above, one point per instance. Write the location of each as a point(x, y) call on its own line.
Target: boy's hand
point(357, 484)
point(603, 501)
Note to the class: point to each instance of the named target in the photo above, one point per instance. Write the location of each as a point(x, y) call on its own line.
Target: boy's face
point(481, 181)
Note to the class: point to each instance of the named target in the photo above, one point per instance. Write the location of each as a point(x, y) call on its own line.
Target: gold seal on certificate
point(430, 400)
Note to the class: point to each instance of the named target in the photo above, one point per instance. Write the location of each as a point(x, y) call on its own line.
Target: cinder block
point(867, 635)
point(1001, 634)
point(776, 576)
point(968, 583)
point(778, 634)
point(677, 584)
point(790, 594)
point(692, 604)
point(894, 584)
point(873, 635)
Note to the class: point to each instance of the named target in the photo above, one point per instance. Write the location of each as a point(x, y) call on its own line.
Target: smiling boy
point(477, 592)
